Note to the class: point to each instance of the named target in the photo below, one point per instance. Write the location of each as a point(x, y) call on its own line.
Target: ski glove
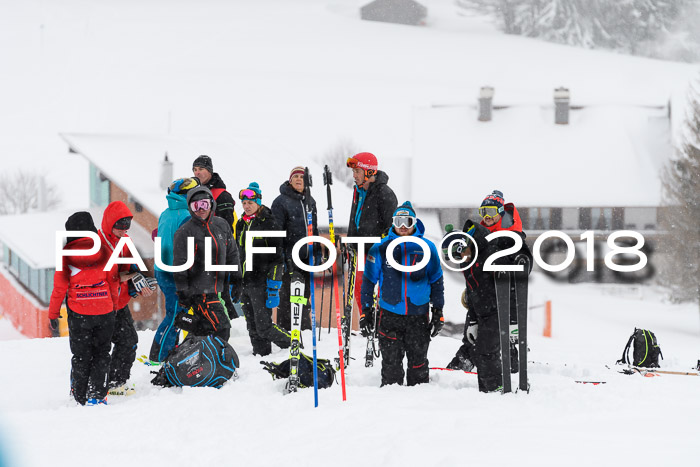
point(436, 322)
point(139, 282)
point(472, 332)
point(152, 283)
point(367, 322)
point(273, 293)
point(186, 321)
point(53, 324)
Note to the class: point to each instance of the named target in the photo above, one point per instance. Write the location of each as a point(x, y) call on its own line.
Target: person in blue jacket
point(404, 323)
point(169, 221)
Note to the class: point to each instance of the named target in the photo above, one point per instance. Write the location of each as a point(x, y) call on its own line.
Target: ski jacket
point(403, 293)
point(289, 209)
point(225, 203)
point(169, 221)
point(376, 210)
point(264, 265)
point(196, 280)
point(91, 291)
point(481, 287)
point(113, 212)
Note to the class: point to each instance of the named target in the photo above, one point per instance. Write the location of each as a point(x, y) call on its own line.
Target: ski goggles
point(355, 164)
point(490, 211)
point(403, 221)
point(122, 224)
point(200, 205)
point(248, 194)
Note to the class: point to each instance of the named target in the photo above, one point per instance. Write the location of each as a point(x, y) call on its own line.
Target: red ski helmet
point(366, 161)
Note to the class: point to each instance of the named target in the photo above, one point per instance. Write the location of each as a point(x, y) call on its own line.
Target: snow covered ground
point(447, 422)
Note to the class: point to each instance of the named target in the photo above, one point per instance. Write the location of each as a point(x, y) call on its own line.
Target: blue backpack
point(199, 361)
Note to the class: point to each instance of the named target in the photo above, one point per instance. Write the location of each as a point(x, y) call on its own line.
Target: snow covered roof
point(32, 236)
point(608, 155)
point(134, 163)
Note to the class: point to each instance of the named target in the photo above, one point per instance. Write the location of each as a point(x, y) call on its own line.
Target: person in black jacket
point(373, 203)
point(496, 215)
point(198, 288)
point(262, 279)
point(289, 209)
point(203, 169)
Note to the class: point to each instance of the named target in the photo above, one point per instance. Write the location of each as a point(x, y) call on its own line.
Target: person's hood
point(83, 243)
point(380, 179)
point(215, 182)
point(176, 201)
point(420, 230)
point(197, 193)
point(115, 211)
point(287, 189)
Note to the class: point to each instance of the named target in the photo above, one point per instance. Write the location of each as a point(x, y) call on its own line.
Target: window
point(540, 217)
point(99, 188)
point(602, 218)
point(555, 219)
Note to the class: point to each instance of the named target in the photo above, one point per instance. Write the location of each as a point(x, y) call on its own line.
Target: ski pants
point(124, 340)
point(167, 334)
point(401, 335)
point(284, 311)
point(486, 353)
point(258, 319)
point(90, 340)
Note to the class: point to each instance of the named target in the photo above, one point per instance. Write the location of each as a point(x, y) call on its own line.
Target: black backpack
point(198, 361)
point(326, 372)
point(646, 350)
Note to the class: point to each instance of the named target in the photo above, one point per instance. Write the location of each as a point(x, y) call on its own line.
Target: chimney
point(561, 106)
point(485, 103)
point(166, 173)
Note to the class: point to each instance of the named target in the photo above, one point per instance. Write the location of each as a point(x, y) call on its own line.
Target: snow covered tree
point(336, 158)
point(20, 192)
point(681, 245)
point(624, 25)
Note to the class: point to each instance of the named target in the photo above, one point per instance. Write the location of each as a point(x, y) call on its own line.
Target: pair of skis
point(503, 291)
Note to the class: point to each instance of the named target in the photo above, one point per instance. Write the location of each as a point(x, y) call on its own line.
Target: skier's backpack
point(645, 350)
point(198, 361)
point(326, 372)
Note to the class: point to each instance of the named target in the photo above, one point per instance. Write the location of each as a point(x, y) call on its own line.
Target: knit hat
point(81, 220)
point(204, 162)
point(406, 209)
point(182, 185)
point(296, 170)
point(256, 188)
point(494, 199)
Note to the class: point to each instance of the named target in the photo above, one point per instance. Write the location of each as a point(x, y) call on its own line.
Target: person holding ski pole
point(289, 211)
point(91, 297)
point(410, 304)
point(198, 288)
point(262, 279)
point(496, 215)
point(373, 204)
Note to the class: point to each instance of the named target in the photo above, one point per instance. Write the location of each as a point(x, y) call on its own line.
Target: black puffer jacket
point(224, 201)
point(376, 211)
point(196, 280)
point(289, 209)
point(265, 265)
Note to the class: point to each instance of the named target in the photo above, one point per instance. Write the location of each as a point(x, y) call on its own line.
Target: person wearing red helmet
point(373, 204)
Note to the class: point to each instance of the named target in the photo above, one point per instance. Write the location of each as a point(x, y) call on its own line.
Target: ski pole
point(328, 181)
point(310, 232)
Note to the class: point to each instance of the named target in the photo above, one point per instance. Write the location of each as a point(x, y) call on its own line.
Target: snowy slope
point(447, 422)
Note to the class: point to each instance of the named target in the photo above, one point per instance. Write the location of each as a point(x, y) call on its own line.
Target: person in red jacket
point(91, 300)
point(116, 221)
